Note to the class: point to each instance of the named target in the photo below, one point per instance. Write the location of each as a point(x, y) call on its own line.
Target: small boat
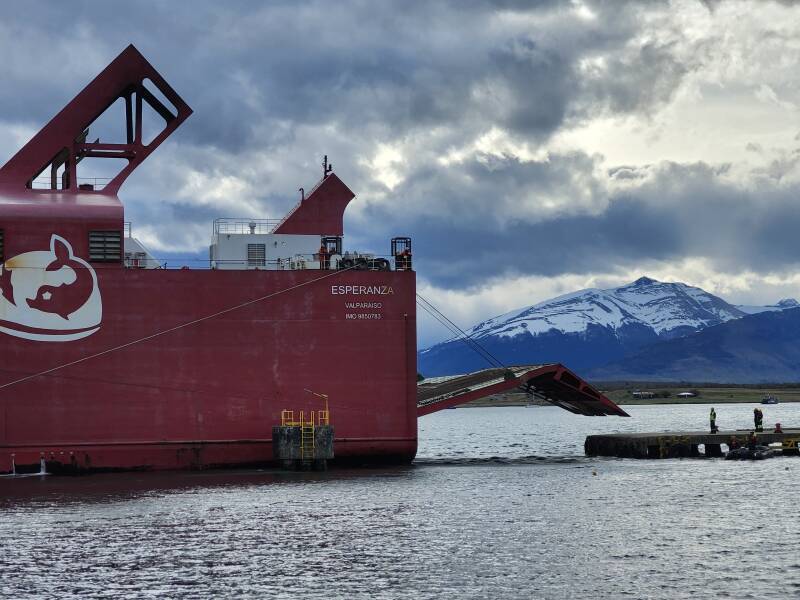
point(769, 399)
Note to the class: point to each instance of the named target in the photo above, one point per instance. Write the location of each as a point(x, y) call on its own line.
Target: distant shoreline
point(700, 400)
point(623, 395)
point(706, 393)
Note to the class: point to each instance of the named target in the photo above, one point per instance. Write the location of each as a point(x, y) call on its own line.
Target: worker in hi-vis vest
point(713, 420)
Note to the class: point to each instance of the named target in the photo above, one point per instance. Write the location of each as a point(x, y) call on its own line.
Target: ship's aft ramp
point(552, 382)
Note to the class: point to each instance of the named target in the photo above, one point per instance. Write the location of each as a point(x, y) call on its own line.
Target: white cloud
point(386, 164)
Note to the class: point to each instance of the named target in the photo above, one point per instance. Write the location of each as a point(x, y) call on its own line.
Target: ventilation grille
point(105, 246)
point(256, 255)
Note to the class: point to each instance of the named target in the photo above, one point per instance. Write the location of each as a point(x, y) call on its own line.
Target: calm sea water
point(500, 504)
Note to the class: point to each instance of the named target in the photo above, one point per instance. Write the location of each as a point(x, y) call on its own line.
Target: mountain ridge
point(589, 328)
point(644, 300)
point(758, 348)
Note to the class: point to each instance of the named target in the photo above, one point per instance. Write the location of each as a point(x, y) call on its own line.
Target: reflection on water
point(500, 504)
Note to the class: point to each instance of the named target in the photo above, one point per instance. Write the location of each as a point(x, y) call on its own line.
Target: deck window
point(105, 246)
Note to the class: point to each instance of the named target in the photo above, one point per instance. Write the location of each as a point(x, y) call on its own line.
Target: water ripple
point(500, 504)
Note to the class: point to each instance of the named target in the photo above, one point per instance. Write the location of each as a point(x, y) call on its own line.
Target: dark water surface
point(500, 504)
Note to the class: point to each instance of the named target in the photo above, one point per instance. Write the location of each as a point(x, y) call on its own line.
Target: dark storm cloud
point(394, 66)
point(357, 74)
point(666, 212)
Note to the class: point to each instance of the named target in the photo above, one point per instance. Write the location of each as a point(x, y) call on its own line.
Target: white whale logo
point(49, 296)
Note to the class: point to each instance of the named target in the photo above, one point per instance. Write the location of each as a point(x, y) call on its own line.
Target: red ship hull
point(208, 391)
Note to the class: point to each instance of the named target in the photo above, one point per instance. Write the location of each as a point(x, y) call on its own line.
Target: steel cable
point(459, 333)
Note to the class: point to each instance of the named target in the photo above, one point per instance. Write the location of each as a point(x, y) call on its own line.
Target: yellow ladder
point(306, 437)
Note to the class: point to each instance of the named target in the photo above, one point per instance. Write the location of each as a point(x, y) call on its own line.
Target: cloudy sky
point(529, 148)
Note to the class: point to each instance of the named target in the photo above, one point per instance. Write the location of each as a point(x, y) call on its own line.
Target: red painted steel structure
point(323, 210)
point(106, 367)
point(162, 382)
point(554, 382)
point(63, 137)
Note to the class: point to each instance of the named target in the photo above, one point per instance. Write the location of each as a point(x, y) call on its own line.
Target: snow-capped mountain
point(666, 308)
point(759, 348)
point(781, 305)
point(589, 328)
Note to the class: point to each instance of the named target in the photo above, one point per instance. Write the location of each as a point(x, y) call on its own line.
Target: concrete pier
point(676, 444)
point(297, 453)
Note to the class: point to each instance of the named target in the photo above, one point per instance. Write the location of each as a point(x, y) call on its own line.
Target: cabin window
point(105, 246)
point(256, 255)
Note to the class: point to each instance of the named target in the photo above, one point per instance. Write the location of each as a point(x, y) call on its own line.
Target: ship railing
point(286, 218)
point(402, 263)
point(303, 418)
point(474, 384)
point(243, 226)
point(298, 262)
point(316, 186)
point(84, 183)
point(139, 260)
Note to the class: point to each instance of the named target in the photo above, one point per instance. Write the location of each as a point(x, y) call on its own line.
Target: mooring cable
point(460, 334)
